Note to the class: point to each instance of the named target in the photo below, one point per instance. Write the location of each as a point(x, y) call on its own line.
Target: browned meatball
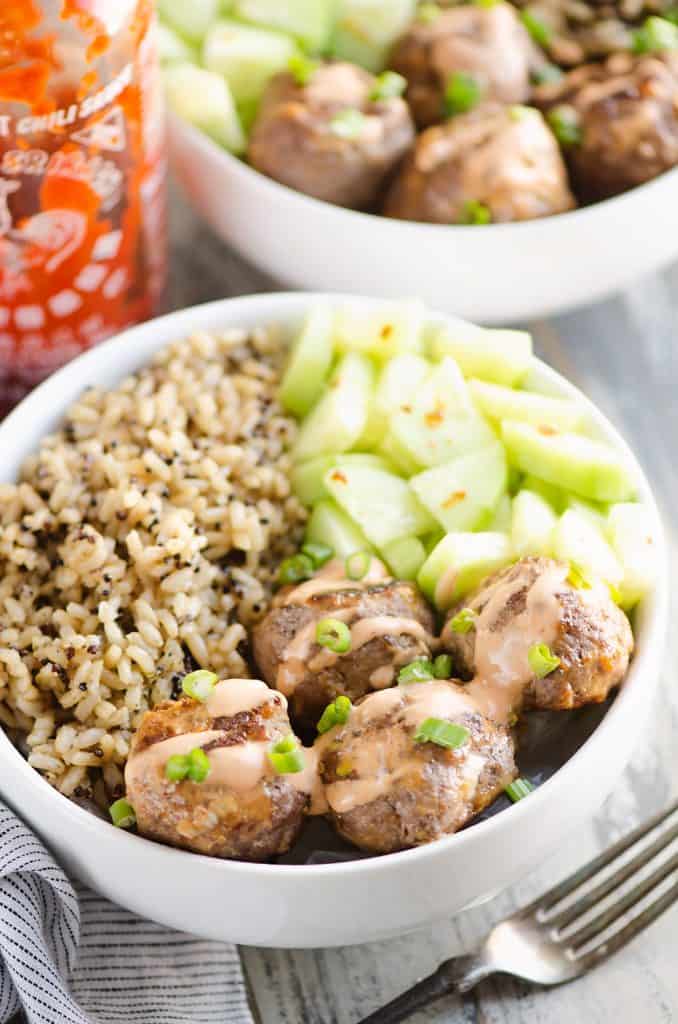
point(532, 602)
point(390, 625)
point(489, 43)
point(242, 809)
point(501, 162)
point(328, 138)
point(386, 791)
point(625, 113)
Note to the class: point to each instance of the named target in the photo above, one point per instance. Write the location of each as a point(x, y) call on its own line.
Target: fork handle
point(457, 975)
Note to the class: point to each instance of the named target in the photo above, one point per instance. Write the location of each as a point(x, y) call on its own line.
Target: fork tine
point(603, 920)
point(630, 931)
point(572, 882)
point(563, 919)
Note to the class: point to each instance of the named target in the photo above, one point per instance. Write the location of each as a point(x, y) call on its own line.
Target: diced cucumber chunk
point(501, 356)
point(338, 420)
point(500, 403)
point(596, 513)
point(440, 423)
point(247, 57)
point(556, 497)
point(394, 328)
point(308, 478)
point(172, 49)
point(309, 363)
point(591, 469)
point(381, 503)
point(630, 534)
point(404, 557)
point(399, 456)
point(398, 384)
point(460, 562)
point(366, 30)
point(532, 524)
point(190, 18)
point(503, 516)
point(311, 21)
point(330, 525)
point(205, 100)
point(462, 494)
point(578, 540)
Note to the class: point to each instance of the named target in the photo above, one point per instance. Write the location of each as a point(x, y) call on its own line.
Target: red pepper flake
point(386, 332)
point(339, 477)
point(454, 499)
point(406, 408)
point(546, 430)
point(436, 416)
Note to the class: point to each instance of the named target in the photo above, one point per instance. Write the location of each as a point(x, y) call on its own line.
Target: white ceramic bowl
point(319, 905)
point(496, 274)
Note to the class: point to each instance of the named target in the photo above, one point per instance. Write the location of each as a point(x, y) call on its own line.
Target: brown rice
point(139, 543)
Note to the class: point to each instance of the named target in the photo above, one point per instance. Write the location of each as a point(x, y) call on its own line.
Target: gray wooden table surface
point(624, 354)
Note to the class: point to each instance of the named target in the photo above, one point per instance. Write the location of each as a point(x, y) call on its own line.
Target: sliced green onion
point(464, 621)
point(348, 124)
point(286, 757)
point(199, 685)
point(333, 634)
point(547, 74)
point(122, 814)
point(335, 713)
point(388, 86)
point(462, 93)
point(654, 35)
point(418, 671)
point(672, 15)
point(442, 667)
point(564, 122)
point(318, 553)
point(539, 31)
point(176, 767)
point(577, 578)
point(428, 13)
point(474, 212)
point(444, 734)
point(295, 569)
point(542, 660)
point(302, 68)
point(198, 765)
point(519, 789)
point(357, 565)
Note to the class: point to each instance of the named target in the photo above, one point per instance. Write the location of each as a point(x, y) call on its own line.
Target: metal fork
point(556, 939)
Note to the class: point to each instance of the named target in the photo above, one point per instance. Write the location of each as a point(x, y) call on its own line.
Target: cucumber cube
point(329, 525)
point(366, 30)
point(205, 100)
point(440, 424)
point(631, 537)
point(460, 562)
point(309, 363)
point(404, 557)
point(591, 469)
point(597, 514)
point(501, 356)
point(578, 540)
point(532, 525)
point(339, 418)
point(190, 19)
point(172, 49)
point(311, 21)
point(503, 516)
point(396, 328)
point(308, 478)
point(462, 494)
point(381, 503)
point(500, 403)
point(556, 498)
point(398, 384)
point(247, 57)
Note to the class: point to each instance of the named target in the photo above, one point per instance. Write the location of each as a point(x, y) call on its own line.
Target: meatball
point(329, 138)
point(387, 790)
point(390, 625)
point(533, 602)
point(242, 809)
point(489, 43)
point(502, 163)
point(620, 121)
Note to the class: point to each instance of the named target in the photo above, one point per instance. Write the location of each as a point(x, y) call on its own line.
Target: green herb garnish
point(199, 685)
point(333, 634)
point(442, 733)
point(542, 660)
point(335, 713)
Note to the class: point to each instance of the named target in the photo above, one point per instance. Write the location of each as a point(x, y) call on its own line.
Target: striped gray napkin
point(68, 958)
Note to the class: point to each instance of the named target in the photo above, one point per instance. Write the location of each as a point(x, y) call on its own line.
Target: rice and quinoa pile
point(140, 542)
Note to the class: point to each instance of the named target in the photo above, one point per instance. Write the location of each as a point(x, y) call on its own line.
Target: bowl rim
point(280, 192)
point(154, 335)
